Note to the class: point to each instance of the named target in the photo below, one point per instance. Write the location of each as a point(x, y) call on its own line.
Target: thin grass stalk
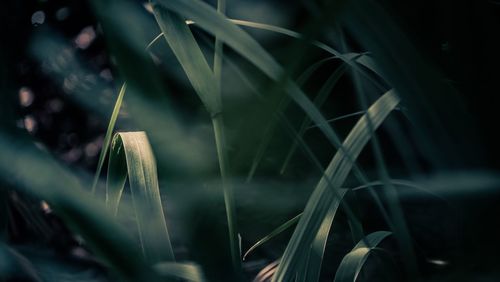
point(109, 134)
point(220, 140)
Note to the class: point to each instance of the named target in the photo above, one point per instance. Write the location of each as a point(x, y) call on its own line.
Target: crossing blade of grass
point(338, 170)
point(207, 18)
point(319, 100)
point(353, 262)
point(185, 271)
point(109, 134)
point(273, 234)
point(358, 113)
point(268, 133)
point(203, 80)
point(364, 60)
point(135, 149)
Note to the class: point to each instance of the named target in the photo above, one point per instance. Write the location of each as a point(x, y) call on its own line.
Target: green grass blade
point(273, 234)
point(353, 262)
point(188, 53)
point(338, 170)
point(109, 134)
point(233, 36)
point(186, 271)
point(203, 80)
point(219, 49)
point(143, 180)
point(315, 257)
point(310, 267)
point(319, 100)
point(234, 241)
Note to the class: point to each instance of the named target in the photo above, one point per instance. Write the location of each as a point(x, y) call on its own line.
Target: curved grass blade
point(338, 169)
point(312, 265)
point(353, 262)
point(134, 148)
point(319, 100)
point(186, 271)
point(109, 134)
point(273, 234)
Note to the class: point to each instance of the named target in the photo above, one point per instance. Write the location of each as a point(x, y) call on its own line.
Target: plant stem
point(220, 141)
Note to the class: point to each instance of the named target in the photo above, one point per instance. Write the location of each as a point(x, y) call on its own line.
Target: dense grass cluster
point(153, 209)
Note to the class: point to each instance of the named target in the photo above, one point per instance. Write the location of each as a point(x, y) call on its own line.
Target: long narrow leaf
point(188, 53)
point(109, 134)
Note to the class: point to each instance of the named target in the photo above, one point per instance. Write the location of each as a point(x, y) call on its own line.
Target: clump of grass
point(130, 156)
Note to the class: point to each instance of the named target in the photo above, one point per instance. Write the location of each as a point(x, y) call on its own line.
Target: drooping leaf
point(135, 150)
